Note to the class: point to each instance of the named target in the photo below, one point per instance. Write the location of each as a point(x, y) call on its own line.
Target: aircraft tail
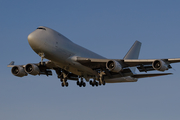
point(133, 53)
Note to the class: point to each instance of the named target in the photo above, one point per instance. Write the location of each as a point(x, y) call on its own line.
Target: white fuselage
point(60, 50)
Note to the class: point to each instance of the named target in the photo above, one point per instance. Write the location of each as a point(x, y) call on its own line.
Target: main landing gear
point(64, 82)
point(81, 83)
point(62, 75)
point(63, 79)
point(95, 83)
point(100, 80)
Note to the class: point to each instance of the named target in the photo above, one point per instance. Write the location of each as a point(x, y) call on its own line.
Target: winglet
point(11, 64)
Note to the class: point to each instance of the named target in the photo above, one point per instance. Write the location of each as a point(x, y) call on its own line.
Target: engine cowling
point(113, 66)
point(18, 71)
point(160, 65)
point(32, 69)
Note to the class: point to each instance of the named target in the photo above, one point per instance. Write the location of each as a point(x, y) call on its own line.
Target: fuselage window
point(41, 28)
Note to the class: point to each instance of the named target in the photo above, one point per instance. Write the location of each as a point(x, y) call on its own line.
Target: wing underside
point(150, 75)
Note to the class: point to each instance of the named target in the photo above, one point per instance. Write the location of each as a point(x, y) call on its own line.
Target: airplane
point(73, 62)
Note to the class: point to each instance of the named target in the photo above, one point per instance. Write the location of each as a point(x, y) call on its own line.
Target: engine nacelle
point(18, 71)
point(160, 65)
point(113, 66)
point(32, 69)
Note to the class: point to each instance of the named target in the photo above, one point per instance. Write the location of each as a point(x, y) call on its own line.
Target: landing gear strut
point(42, 55)
point(63, 78)
point(100, 79)
point(64, 82)
point(62, 75)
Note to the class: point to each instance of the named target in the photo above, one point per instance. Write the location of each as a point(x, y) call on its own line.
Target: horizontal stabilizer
point(150, 75)
point(11, 64)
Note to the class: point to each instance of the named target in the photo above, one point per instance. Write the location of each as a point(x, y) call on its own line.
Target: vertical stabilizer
point(133, 53)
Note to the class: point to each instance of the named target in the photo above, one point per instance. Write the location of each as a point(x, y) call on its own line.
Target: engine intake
point(32, 69)
point(18, 71)
point(160, 65)
point(113, 66)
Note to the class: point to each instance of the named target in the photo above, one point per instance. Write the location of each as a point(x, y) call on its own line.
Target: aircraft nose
point(34, 41)
point(31, 38)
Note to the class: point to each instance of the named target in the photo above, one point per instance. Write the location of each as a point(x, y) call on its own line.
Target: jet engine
point(160, 65)
point(18, 71)
point(113, 66)
point(32, 69)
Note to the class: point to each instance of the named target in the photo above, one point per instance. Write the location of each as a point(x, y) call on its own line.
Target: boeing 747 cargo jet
point(73, 62)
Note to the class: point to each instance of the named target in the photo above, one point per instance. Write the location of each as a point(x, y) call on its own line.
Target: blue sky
point(108, 28)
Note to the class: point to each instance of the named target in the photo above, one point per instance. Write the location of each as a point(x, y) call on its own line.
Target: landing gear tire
point(96, 83)
point(67, 84)
point(90, 82)
point(62, 84)
point(84, 84)
point(104, 82)
point(77, 82)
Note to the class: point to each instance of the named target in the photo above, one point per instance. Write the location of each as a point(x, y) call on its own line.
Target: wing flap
point(145, 68)
point(150, 75)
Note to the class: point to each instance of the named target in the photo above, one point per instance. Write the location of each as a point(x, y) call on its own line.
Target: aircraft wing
point(143, 65)
point(134, 62)
point(33, 69)
point(150, 75)
point(49, 64)
point(38, 69)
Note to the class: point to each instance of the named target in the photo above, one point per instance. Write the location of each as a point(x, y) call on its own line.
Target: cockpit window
point(41, 28)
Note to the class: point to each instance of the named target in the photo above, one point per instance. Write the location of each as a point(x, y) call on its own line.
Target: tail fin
point(133, 53)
